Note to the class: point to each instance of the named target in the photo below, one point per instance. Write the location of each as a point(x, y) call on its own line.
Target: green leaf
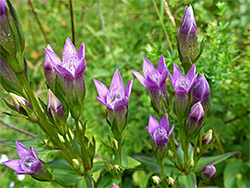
point(107, 180)
point(180, 153)
point(34, 142)
point(204, 161)
point(97, 166)
point(187, 181)
point(151, 162)
point(64, 174)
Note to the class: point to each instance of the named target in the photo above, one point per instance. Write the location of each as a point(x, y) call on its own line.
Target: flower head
point(159, 131)
point(21, 105)
point(182, 86)
point(70, 73)
point(187, 37)
point(53, 104)
point(154, 80)
point(29, 162)
point(209, 171)
point(195, 119)
point(114, 98)
point(201, 91)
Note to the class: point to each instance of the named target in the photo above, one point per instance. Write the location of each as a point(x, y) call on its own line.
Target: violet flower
point(187, 38)
point(160, 134)
point(155, 81)
point(70, 73)
point(54, 106)
point(114, 98)
point(194, 120)
point(209, 171)
point(201, 92)
point(29, 164)
point(182, 86)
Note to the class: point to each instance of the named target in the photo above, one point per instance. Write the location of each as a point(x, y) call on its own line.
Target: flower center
point(114, 96)
point(160, 135)
point(30, 164)
point(154, 76)
point(182, 84)
point(70, 63)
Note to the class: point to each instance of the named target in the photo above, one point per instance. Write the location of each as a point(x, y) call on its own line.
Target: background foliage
point(133, 31)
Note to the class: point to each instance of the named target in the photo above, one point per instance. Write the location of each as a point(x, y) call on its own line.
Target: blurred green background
point(132, 31)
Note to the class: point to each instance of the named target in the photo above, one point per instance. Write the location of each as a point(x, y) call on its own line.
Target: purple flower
point(155, 81)
point(29, 162)
point(53, 104)
point(182, 86)
point(195, 119)
point(201, 91)
point(159, 131)
point(115, 99)
point(70, 72)
point(187, 37)
point(21, 105)
point(209, 171)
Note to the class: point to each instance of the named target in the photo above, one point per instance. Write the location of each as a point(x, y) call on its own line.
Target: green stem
point(162, 173)
point(163, 27)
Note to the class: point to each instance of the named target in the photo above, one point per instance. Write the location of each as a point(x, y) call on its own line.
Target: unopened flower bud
point(170, 182)
point(75, 163)
point(54, 106)
point(22, 106)
point(207, 138)
point(187, 39)
point(117, 170)
point(195, 119)
point(61, 138)
point(209, 171)
point(201, 92)
point(191, 163)
point(156, 180)
point(8, 78)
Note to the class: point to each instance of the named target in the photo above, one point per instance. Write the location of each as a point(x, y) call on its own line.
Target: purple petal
point(153, 123)
point(64, 72)
point(121, 103)
point(193, 81)
point(129, 88)
point(81, 67)
point(148, 67)
point(177, 73)
point(102, 90)
point(171, 130)
point(81, 52)
point(22, 151)
point(164, 77)
point(34, 152)
point(47, 62)
point(117, 82)
point(24, 172)
point(55, 60)
point(103, 102)
point(69, 50)
point(14, 164)
point(191, 73)
point(161, 65)
point(151, 83)
point(164, 122)
point(140, 78)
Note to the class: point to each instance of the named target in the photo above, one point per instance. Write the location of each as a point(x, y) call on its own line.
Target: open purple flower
point(201, 92)
point(187, 37)
point(182, 86)
point(155, 81)
point(114, 97)
point(29, 162)
point(159, 131)
point(70, 72)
